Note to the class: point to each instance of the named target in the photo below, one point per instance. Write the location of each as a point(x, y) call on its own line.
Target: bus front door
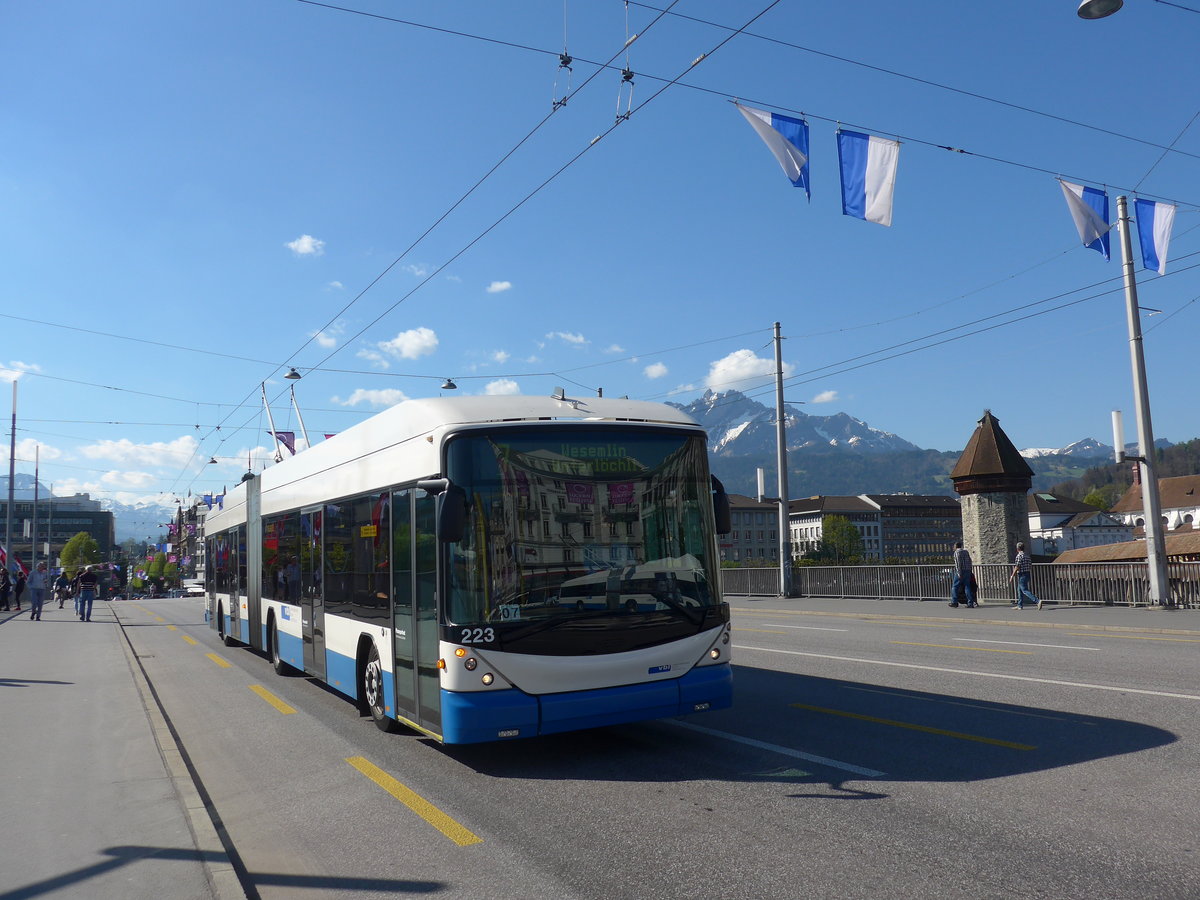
point(312, 595)
point(414, 609)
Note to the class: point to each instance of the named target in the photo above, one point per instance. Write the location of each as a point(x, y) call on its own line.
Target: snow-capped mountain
point(1088, 448)
point(139, 521)
point(739, 426)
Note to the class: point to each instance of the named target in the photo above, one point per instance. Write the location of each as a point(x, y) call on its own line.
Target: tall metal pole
point(12, 476)
point(37, 465)
point(1156, 552)
point(785, 543)
point(300, 418)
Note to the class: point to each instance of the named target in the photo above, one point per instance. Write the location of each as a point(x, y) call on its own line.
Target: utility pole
point(785, 543)
point(1156, 551)
point(12, 475)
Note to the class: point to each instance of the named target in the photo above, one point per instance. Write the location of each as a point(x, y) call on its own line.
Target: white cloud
point(377, 398)
point(418, 270)
point(456, 279)
point(411, 344)
point(118, 480)
point(499, 287)
point(825, 397)
point(500, 356)
point(569, 337)
point(502, 386)
point(306, 245)
point(329, 337)
point(682, 389)
point(374, 357)
point(29, 449)
point(336, 285)
point(158, 453)
point(655, 370)
point(741, 370)
point(14, 370)
point(614, 348)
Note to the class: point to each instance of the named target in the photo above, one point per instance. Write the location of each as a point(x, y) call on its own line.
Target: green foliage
point(81, 550)
point(841, 543)
point(1103, 497)
point(1180, 459)
point(155, 569)
point(171, 572)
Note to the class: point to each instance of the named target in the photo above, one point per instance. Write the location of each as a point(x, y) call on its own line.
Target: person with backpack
point(19, 589)
point(62, 588)
point(5, 589)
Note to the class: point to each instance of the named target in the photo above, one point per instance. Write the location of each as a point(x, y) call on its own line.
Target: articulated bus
point(424, 564)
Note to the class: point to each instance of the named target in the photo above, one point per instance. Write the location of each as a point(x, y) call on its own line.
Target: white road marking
point(900, 665)
point(1025, 644)
point(804, 627)
point(784, 751)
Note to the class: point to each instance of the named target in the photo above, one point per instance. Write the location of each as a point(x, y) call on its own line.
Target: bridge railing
point(1095, 584)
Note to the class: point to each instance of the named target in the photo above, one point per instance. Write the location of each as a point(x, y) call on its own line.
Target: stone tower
point(993, 480)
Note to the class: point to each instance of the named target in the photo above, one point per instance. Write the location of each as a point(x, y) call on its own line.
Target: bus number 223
point(478, 635)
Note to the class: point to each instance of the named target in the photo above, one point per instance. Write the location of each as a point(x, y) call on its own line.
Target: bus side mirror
point(721, 506)
point(451, 508)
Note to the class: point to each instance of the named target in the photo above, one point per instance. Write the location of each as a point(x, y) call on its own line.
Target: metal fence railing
point(1096, 584)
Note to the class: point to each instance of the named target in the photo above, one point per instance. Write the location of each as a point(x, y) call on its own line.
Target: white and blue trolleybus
point(483, 568)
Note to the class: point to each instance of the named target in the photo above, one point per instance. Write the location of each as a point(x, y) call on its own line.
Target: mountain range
point(839, 454)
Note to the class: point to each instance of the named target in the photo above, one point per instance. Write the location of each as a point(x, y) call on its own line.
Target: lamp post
point(1156, 553)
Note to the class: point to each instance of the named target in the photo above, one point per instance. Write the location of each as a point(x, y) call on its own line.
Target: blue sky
point(194, 196)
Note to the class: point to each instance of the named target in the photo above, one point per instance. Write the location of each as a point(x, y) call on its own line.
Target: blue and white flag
point(1089, 209)
point(868, 166)
point(1155, 221)
point(786, 138)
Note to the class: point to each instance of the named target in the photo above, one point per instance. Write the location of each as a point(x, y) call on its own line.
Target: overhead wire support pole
point(300, 418)
point(785, 543)
point(1156, 553)
point(271, 421)
point(10, 556)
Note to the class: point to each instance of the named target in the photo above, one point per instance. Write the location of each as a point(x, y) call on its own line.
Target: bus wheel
point(277, 663)
point(225, 639)
point(372, 691)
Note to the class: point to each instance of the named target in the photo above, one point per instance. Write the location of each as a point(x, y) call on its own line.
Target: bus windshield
point(582, 523)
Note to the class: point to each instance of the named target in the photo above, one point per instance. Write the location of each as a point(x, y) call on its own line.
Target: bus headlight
point(714, 653)
point(470, 664)
point(488, 678)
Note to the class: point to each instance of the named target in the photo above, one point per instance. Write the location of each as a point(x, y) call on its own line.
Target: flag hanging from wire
point(288, 439)
point(868, 164)
point(1155, 221)
point(786, 138)
point(1089, 209)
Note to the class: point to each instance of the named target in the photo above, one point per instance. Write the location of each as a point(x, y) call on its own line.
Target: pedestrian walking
point(5, 589)
point(964, 577)
point(62, 587)
point(88, 581)
point(1023, 571)
point(37, 592)
point(19, 589)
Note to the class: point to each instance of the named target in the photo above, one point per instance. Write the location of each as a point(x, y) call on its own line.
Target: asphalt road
point(864, 757)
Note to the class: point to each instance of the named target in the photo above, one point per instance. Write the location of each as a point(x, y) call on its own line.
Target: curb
point(218, 869)
point(1024, 623)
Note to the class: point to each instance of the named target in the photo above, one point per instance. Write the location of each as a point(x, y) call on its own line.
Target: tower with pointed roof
point(993, 480)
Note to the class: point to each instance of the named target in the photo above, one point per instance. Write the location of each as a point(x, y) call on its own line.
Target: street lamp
point(1098, 9)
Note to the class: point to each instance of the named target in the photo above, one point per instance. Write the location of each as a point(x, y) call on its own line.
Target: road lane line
point(776, 748)
point(900, 665)
point(191, 640)
point(1135, 637)
point(912, 726)
point(1027, 644)
point(224, 664)
point(272, 699)
point(758, 630)
point(418, 804)
point(804, 627)
point(172, 628)
point(955, 647)
point(1074, 720)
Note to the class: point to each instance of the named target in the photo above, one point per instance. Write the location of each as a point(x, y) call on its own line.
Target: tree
point(1104, 496)
point(841, 543)
point(154, 571)
point(81, 550)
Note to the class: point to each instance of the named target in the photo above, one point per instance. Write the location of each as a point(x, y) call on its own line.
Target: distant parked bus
point(423, 563)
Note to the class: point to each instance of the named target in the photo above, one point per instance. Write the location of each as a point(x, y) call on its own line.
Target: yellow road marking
point(272, 699)
point(1133, 637)
point(1008, 712)
point(959, 647)
point(191, 640)
point(224, 664)
point(914, 727)
point(758, 630)
point(418, 804)
point(172, 628)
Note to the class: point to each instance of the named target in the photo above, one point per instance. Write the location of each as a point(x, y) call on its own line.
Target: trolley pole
point(1156, 553)
point(785, 543)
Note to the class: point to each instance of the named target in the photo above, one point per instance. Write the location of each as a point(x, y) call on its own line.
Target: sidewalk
point(1100, 618)
point(97, 801)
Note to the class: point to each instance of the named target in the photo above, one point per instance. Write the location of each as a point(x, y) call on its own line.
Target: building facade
point(806, 522)
point(1058, 524)
point(754, 535)
point(58, 520)
point(993, 480)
